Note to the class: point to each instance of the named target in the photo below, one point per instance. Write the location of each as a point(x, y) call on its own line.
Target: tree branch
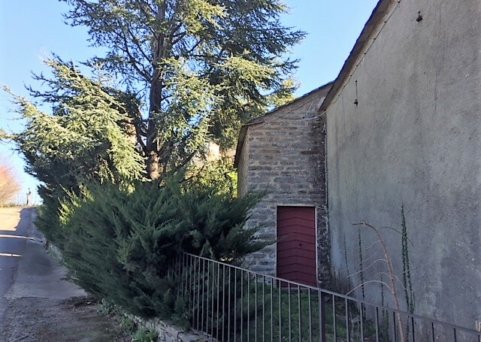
point(137, 44)
point(132, 60)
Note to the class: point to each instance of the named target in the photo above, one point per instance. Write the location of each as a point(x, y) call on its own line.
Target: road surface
point(37, 301)
point(14, 223)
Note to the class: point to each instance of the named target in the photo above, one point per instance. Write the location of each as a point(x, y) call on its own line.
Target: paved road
point(37, 301)
point(14, 226)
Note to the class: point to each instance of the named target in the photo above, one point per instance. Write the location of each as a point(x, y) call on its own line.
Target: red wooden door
point(296, 244)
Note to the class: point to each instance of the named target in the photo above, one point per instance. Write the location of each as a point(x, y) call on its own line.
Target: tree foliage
point(88, 136)
point(200, 67)
point(176, 74)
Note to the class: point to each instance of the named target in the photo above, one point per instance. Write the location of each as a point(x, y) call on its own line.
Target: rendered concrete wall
point(284, 156)
point(414, 139)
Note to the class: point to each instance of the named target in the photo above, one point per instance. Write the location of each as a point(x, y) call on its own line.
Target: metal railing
point(229, 303)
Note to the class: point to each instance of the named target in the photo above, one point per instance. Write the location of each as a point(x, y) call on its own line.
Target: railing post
point(248, 307)
point(213, 300)
point(255, 307)
point(299, 312)
point(202, 296)
point(347, 318)
point(218, 301)
point(413, 330)
point(322, 316)
point(235, 304)
point(190, 279)
point(334, 321)
point(361, 317)
point(394, 326)
point(280, 309)
point(199, 281)
point(228, 305)
point(289, 309)
point(242, 305)
point(206, 296)
point(310, 313)
point(223, 302)
point(272, 311)
point(263, 309)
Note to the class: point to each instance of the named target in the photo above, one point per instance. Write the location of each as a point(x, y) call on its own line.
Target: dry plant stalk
point(390, 273)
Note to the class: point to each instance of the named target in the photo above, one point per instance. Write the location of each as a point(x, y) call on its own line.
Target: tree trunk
point(155, 101)
point(153, 165)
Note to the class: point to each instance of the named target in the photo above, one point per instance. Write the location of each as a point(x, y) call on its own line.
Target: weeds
point(145, 335)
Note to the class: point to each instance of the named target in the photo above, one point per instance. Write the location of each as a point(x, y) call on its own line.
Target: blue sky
point(32, 29)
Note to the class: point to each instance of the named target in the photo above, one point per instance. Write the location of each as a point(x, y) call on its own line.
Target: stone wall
point(170, 333)
point(283, 156)
point(413, 139)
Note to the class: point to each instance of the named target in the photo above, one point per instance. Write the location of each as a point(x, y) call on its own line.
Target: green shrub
point(128, 325)
point(120, 242)
point(47, 219)
point(145, 335)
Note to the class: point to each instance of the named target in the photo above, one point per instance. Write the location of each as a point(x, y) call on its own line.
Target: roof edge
point(260, 119)
point(297, 99)
point(376, 18)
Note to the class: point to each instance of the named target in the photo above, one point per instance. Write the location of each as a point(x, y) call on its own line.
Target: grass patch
point(231, 305)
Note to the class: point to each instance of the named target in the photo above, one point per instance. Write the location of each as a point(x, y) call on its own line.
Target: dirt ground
point(72, 320)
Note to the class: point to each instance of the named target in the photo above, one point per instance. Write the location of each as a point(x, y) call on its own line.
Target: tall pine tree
point(176, 75)
point(199, 68)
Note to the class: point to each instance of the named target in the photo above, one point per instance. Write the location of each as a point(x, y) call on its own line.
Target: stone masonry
point(283, 155)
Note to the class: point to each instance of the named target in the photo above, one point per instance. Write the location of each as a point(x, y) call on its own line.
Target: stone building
point(282, 155)
point(401, 125)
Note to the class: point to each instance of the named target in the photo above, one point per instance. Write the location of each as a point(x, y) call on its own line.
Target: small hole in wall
point(420, 17)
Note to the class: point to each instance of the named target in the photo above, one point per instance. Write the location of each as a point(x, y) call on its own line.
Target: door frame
point(315, 232)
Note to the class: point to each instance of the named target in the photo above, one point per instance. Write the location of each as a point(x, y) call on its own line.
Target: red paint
point(296, 244)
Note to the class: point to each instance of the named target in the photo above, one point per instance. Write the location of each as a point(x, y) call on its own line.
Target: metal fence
point(229, 303)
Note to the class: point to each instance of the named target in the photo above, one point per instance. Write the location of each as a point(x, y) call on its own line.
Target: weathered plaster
point(414, 139)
